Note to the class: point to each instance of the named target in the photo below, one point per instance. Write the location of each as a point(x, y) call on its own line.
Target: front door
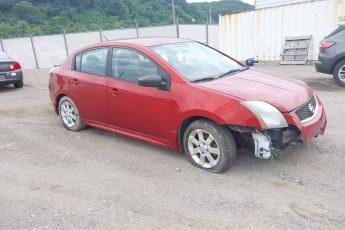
point(136, 108)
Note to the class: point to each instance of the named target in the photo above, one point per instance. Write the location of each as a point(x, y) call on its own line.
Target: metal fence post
point(34, 50)
point(207, 38)
point(177, 28)
point(137, 28)
point(100, 34)
point(65, 41)
point(2, 45)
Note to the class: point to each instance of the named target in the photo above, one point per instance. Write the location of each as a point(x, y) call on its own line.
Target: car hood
point(285, 94)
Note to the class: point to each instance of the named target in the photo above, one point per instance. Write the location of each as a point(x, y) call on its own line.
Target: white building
point(261, 33)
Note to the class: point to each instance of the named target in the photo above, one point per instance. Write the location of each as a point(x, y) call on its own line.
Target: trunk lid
point(5, 65)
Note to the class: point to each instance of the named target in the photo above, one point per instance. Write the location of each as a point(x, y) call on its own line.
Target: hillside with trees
point(21, 18)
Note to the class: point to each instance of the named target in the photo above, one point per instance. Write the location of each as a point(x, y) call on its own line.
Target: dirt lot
point(51, 178)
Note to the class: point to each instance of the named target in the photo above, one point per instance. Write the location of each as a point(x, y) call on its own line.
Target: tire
point(69, 114)
point(199, 153)
point(339, 73)
point(19, 84)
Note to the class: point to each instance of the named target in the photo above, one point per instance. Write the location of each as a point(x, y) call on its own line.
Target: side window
point(130, 65)
point(94, 61)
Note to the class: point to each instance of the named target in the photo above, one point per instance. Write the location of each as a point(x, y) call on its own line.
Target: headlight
point(268, 116)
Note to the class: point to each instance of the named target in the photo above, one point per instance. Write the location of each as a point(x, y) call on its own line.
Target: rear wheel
point(209, 146)
point(19, 84)
point(339, 73)
point(69, 114)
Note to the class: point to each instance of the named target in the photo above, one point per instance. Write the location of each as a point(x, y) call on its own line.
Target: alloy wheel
point(203, 148)
point(341, 73)
point(68, 114)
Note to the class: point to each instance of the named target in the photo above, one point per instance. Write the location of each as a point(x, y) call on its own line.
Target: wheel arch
point(57, 101)
point(183, 126)
point(239, 116)
point(340, 59)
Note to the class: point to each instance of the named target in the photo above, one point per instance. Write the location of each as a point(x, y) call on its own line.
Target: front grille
point(307, 111)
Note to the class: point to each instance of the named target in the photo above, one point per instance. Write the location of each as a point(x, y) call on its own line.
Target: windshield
point(195, 61)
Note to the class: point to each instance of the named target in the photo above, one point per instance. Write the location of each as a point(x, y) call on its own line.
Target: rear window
point(339, 29)
point(94, 61)
point(91, 61)
point(3, 56)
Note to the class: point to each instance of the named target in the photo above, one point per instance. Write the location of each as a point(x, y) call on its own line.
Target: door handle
point(115, 91)
point(75, 82)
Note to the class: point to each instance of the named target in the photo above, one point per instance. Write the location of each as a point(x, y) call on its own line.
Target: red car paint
point(156, 115)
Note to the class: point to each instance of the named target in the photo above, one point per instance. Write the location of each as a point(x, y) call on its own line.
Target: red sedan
point(184, 96)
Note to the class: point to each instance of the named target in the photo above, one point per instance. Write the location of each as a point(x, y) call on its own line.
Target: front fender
point(231, 114)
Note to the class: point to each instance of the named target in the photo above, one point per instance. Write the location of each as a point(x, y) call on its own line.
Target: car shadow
point(245, 159)
point(7, 88)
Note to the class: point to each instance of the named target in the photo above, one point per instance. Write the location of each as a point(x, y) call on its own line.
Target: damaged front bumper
point(298, 132)
point(268, 140)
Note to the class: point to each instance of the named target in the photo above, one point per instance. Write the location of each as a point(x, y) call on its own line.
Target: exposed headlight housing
point(268, 116)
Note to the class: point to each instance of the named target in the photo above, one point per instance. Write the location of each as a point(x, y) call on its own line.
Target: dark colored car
point(332, 55)
point(185, 96)
point(10, 71)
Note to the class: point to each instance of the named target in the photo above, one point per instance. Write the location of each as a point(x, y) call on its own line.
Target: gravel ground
point(51, 178)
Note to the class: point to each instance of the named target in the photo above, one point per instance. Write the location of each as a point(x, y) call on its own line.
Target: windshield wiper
point(233, 71)
point(205, 79)
point(222, 75)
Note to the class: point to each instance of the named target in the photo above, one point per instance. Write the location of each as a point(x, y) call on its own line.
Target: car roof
point(150, 41)
point(4, 57)
point(145, 42)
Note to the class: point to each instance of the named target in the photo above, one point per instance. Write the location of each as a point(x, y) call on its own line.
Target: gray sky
point(247, 1)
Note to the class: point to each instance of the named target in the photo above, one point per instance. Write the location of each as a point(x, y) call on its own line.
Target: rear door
point(88, 84)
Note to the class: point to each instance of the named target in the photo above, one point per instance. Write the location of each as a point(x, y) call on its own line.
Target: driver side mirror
point(154, 81)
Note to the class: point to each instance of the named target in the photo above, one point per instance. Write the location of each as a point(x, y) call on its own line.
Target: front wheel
point(69, 114)
point(339, 73)
point(209, 146)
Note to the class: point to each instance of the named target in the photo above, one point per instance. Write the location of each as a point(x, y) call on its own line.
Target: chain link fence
point(36, 52)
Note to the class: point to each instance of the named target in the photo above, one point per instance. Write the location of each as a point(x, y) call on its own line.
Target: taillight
point(15, 66)
point(326, 45)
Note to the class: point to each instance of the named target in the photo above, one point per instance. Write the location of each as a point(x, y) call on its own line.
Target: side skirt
point(128, 133)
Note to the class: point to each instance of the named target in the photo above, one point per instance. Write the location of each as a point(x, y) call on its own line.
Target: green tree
point(26, 11)
point(23, 28)
point(6, 5)
point(17, 17)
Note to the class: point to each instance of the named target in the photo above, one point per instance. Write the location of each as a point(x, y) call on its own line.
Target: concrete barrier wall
point(47, 51)
point(21, 50)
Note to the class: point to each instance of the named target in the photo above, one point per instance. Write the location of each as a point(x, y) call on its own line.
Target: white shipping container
point(261, 33)
point(259, 4)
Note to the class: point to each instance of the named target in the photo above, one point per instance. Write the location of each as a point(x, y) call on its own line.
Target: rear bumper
point(326, 60)
point(323, 67)
point(12, 77)
point(312, 128)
